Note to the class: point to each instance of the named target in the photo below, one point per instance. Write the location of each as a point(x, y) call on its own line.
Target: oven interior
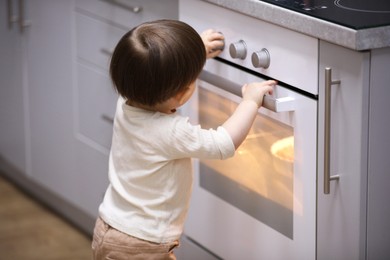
point(259, 178)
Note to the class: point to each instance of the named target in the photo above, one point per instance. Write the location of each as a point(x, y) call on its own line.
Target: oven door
point(260, 204)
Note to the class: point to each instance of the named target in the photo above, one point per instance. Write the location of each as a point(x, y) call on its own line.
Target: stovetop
point(356, 14)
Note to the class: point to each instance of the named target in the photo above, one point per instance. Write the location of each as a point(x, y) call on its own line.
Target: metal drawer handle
point(134, 9)
point(17, 19)
point(107, 119)
point(283, 104)
point(11, 17)
point(327, 138)
point(106, 51)
point(22, 22)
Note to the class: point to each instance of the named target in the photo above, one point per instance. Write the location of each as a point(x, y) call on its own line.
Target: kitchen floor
point(30, 231)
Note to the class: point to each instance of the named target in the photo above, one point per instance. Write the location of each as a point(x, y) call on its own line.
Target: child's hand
point(213, 42)
point(255, 91)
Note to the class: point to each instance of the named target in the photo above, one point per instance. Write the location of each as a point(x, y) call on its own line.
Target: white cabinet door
point(72, 172)
point(50, 96)
point(12, 88)
point(94, 105)
point(378, 224)
point(47, 127)
point(341, 215)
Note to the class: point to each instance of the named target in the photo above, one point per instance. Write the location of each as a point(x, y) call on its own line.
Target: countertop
point(364, 39)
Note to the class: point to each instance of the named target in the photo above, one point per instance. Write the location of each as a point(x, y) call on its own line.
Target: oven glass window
point(259, 178)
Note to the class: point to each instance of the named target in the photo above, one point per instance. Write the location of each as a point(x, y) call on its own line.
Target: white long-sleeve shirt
point(150, 171)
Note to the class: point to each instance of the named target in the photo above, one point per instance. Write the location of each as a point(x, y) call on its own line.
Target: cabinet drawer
point(121, 12)
point(96, 101)
point(96, 40)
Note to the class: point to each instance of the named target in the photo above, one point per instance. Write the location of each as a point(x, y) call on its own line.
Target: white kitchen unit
point(13, 89)
point(378, 209)
point(98, 27)
point(57, 102)
point(50, 97)
point(341, 214)
point(353, 219)
point(46, 78)
point(351, 212)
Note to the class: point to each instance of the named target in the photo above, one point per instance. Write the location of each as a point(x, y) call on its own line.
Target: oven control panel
point(276, 52)
point(260, 59)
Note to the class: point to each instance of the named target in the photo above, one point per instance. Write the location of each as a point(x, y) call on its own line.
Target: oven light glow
point(283, 149)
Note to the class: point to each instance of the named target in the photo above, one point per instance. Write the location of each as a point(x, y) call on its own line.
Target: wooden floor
point(29, 231)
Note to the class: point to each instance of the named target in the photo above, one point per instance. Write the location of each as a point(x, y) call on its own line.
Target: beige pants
point(109, 243)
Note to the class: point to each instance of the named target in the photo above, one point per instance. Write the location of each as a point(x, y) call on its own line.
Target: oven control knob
point(237, 50)
point(261, 59)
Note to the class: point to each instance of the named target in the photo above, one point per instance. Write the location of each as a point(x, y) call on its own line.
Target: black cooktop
point(356, 14)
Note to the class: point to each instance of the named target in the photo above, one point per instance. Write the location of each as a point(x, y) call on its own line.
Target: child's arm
point(240, 122)
point(213, 42)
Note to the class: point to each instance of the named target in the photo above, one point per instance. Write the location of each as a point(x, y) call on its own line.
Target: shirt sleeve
point(187, 140)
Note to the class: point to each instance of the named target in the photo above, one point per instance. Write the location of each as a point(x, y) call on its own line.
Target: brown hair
point(157, 60)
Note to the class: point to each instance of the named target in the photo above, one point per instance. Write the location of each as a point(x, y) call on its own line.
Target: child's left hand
point(213, 42)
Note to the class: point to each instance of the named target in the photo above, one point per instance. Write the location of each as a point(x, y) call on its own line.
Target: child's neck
point(167, 107)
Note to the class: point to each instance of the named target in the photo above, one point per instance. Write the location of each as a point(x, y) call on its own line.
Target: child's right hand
point(213, 42)
point(255, 91)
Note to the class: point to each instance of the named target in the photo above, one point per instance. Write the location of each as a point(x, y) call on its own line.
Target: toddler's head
point(157, 60)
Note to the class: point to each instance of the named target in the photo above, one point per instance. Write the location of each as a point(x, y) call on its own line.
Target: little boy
point(154, 68)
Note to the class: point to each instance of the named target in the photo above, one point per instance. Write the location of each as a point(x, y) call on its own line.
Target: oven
point(260, 204)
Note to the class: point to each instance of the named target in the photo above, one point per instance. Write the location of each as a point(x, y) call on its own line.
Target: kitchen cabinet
point(94, 104)
point(353, 219)
point(36, 88)
point(378, 208)
point(13, 88)
point(57, 102)
point(98, 27)
point(341, 214)
point(40, 104)
point(50, 96)
point(52, 173)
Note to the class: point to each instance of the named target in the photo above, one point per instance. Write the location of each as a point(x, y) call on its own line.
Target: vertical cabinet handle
point(108, 119)
point(11, 17)
point(327, 137)
point(106, 52)
point(22, 22)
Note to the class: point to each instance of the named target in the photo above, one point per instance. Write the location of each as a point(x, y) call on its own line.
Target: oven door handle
point(282, 104)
